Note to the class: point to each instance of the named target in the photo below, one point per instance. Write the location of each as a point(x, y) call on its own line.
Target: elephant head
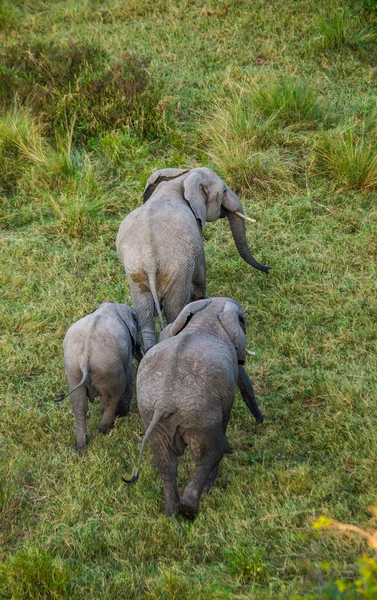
point(230, 315)
point(209, 199)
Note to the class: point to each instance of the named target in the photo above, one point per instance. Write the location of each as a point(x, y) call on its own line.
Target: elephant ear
point(131, 320)
point(194, 193)
point(182, 319)
point(157, 177)
point(230, 320)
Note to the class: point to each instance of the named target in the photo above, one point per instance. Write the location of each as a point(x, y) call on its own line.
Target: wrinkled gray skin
point(98, 362)
point(186, 386)
point(160, 243)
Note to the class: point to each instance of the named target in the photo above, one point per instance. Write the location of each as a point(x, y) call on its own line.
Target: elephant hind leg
point(123, 405)
point(175, 300)
point(198, 286)
point(108, 418)
point(207, 458)
point(115, 400)
point(143, 302)
point(167, 465)
point(211, 479)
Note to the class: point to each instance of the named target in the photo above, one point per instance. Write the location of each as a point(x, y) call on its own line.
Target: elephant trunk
point(238, 229)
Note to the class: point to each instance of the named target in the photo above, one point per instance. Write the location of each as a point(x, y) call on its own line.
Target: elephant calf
point(98, 362)
point(186, 386)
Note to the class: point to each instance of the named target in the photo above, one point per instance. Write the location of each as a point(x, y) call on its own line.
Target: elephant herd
point(186, 383)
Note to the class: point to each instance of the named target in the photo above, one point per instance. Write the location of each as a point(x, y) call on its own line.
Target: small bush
point(289, 102)
point(348, 157)
point(33, 574)
point(365, 586)
point(62, 82)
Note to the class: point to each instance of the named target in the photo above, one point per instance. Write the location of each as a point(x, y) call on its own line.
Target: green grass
point(245, 89)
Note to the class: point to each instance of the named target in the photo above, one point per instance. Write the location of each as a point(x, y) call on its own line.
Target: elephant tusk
point(237, 212)
point(250, 353)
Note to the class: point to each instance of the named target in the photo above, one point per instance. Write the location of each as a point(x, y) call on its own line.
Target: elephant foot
point(82, 446)
point(186, 511)
point(170, 511)
point(105, 428)
point(81, 449)
point(207, 488)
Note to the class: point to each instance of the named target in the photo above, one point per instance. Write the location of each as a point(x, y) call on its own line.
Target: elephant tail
point(156, 417)
point(152, 285)
point(85, 373)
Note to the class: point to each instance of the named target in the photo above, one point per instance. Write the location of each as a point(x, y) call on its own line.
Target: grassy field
point(279, 98)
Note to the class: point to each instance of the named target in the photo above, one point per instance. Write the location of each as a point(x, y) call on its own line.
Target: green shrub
point(62, 82)
point(33, 574)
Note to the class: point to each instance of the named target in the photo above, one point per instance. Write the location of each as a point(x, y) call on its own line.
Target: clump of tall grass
point(333, 29)
point(79, 204)
point(288, 102)
point(24, 150)
point(35, 574)
point(21, 145)
point(39, 177)
point(338, 30)
point(348, 157)
point(240, 144)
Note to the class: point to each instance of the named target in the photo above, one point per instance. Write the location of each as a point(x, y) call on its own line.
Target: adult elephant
point(161, 247)
point(186, 386)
